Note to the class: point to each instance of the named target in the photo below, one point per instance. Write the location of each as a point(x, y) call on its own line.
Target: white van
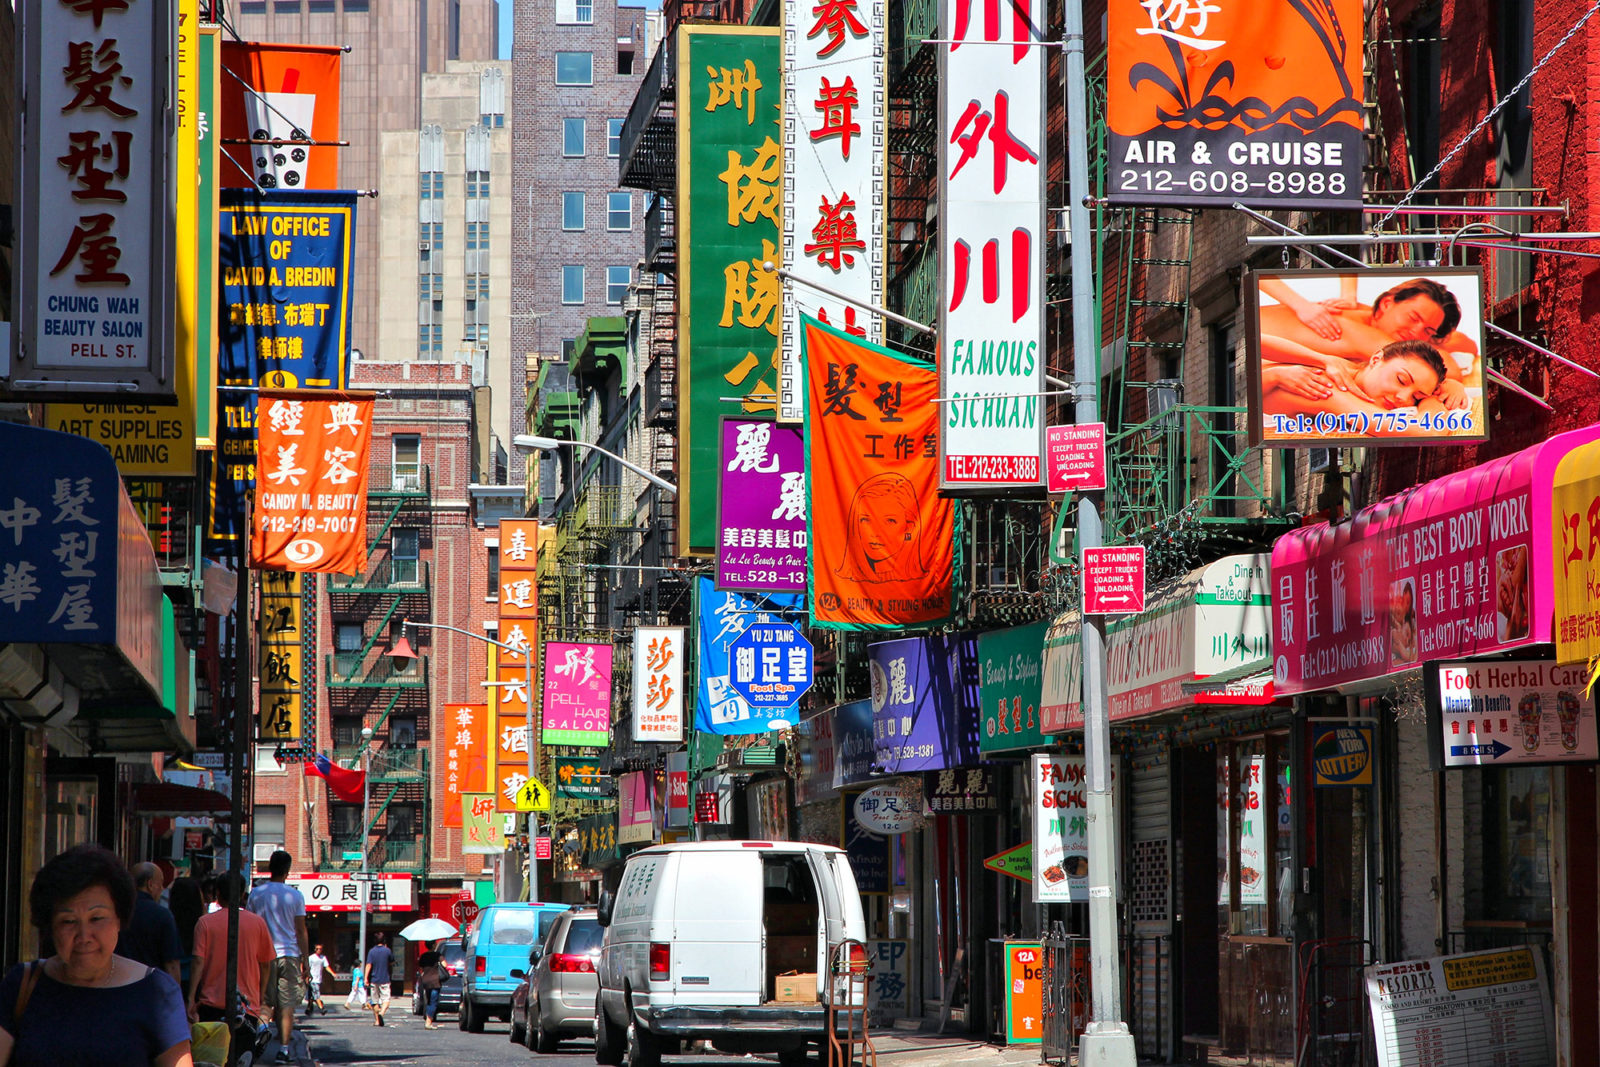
point(698, 936)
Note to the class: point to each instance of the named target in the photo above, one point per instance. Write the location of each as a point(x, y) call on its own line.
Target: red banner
point(311, 482)
point(466, 755)
point(882, 540)
point(280, 92)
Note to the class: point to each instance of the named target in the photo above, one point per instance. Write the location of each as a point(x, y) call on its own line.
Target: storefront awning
point(171, 800)
point(1460, 566)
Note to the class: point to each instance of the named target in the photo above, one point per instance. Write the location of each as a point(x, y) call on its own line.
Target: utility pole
point(1106, 1042)
point(365, 888)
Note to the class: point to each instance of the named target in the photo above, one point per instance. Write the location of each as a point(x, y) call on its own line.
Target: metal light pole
point(366, 832)
point(1106, 1042)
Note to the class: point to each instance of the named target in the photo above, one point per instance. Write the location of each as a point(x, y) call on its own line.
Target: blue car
point(497, 942)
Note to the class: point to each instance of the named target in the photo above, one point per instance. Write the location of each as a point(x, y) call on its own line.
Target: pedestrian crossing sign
point(533, 796)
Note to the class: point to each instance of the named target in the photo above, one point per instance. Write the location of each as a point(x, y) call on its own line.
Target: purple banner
point(577, 694)
point(762, 514)
point(925, 697)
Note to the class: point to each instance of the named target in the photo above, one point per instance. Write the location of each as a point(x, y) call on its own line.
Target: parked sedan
point(449, 993)
point(556, 997)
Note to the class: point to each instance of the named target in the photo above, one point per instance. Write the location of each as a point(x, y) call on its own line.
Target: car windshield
point(516, 927)
point(583, 937)
point(454, 953)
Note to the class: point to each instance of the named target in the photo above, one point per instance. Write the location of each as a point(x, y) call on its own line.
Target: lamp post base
point(1107, 1045)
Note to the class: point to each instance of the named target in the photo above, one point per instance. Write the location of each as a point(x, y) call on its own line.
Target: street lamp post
point(366, 832)
point(545, 444)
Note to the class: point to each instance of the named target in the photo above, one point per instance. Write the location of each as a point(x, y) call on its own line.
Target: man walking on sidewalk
point(378, 978)
point(319, 966)
point(151, 937)
point(208, 976)
point(284, 909)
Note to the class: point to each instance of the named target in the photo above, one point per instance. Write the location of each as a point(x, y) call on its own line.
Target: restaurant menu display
point(1488, 1008)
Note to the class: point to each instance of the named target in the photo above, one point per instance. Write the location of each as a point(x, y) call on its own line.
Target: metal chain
point(1498, 107)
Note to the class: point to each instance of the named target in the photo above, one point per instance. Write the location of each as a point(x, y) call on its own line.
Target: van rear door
point(842, 917)
point(715, 928)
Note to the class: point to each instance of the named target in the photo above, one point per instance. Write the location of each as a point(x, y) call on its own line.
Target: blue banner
point(722, 617)
point(283, 320)
point(925, 697)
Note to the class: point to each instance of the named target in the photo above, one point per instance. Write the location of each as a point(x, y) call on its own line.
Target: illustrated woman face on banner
point(883, 543)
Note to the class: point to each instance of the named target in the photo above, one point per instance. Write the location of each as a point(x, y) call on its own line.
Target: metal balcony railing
point(388, 575)
point(405, 856)
point(1187, 454)
point(648, 147)
point(661, 390)
point(660, 235)
point(351, 670)
point(388, 764)
point(400, 480)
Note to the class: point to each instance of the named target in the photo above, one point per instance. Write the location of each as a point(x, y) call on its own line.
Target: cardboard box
point(796, 989)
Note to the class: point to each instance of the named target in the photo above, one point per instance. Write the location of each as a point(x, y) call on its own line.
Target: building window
point(477, 184)
point(403, 555)
point(479, 333)
point(477, 236)
point(572, 137)
point(477, 287)
point(572, 211)
point(430, 341)
point(574, 68)
point(574, 12)
point(347, 637)
point(619, 211)
point(571, 284)
point(494, 572)
point(407, 461)
point(323, 7)
point(402, 821)
point(492, 121)
point(613, 137)
point(255, 7)
point(344, 820)
point(569, 349)
point(356, 6)
point(430, 185)
point(617, 279)
point(625, 61)
point(403, 731)
point(268, 825)
point(346, 731)
point(286, 7)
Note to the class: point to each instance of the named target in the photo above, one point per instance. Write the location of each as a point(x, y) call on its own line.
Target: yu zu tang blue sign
point(770, 665)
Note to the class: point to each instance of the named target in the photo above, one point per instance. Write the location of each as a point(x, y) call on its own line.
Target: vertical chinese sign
point(991, 244)
point(1576, 545)
point(97, 236)
point(518, 633)
point(310, 509)
point(577, 694)
point(658, 653)
point(1255, 103)
point(833, 180)
point(282, 656)
point(730, 174)
point(761, 512)
point(721, 616)
point(882, 540)
point(466, 756)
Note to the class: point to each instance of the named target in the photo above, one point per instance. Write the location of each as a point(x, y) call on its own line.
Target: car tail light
point(660, 961)
point(571, 963)
point(480, 965)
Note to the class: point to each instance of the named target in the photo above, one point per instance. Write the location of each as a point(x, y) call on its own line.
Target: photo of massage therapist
point(1383, 355)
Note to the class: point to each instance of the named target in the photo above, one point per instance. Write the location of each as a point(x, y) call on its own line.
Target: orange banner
point(512, 695)
point(519, 560)
point(280, 92)
point(882, 540)
point(311, 485)
point(466, 756)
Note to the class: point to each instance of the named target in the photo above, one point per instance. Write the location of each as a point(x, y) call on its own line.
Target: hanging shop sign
point(814, 755)
point(580, 779)
point(868, 850)
point(310, 503)
point(344, 893)
point(597, 840)
point(1509, 712)
point(1478, 1007)
point(834, 108)
point(769, 809)
point(991, 244)
point(280, 92)
point(1024, 992)
point(761, 509)
point(890, 808)
point(729, 199)
point(1575, 544)
point(658, 654)
point(466, 756)
point(677, 806)
point(1075, 457)
point(1015, 862)
point(1060, 829)
point(286, 653)
point(925, 693)
point(510, 698)
point(970, 790)
point(635, 809)
point(1406, 368)
point(1010, 663)
point(1457, 567)
point(713, 800)
point(1341, 755)
point(723, 616)
point(1113, 580)
point(482, 829)
point(97, 238)
point(770, 666)
point(853, 744)
point(577, 694)
point(1213, 104)
point(519, 568)
point(889, 993)
point(882, 539)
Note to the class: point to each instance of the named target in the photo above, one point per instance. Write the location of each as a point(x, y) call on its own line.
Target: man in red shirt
point(208, 980)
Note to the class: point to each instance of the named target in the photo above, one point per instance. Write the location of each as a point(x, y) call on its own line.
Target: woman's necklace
point(97, 980)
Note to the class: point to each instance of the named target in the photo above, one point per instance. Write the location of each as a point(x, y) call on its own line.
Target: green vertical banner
point(730, 200)
point(1011, 665)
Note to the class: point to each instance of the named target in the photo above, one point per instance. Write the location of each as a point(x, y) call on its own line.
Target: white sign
point(1509, 711)
point(833, 181)
point(889, 995)
point(992, 243)
point(658, 683)
point(96, 224)
point(1458, 1011)
point(344, 892)
point(1060, 830)
point(891, 808)
point(1256, 807)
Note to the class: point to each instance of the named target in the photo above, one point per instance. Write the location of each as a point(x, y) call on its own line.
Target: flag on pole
point(345, 783)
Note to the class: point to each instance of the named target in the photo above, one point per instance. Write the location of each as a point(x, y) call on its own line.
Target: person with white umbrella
point(430, 965)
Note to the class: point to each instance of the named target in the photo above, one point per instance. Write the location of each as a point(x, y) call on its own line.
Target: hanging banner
point(466, 756)
point(762, 507)
point(676, 816)
point(284, 317)
point(635, 813)
point(1010, 662)
point(310, 510)
point(853, 744)
point(95, 318)
point(882, 540)
point(577, 694)
point(925, 693)
point(519, 570)
point(833, 153)
point(1216, 104)
point(580, 779)
point(597, 839)
point(283, 656)
point(722, 617)
point(482, 827)
point(207, 119)
point(658, 653)
point(512, 696)
point(1575, 543)
point(280, 92)
point(730, 178)
point(992, 244)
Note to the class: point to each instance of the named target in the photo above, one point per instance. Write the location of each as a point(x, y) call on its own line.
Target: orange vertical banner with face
point(882, 541)
point(466, 756)
point(311, 481)
point(280, 92)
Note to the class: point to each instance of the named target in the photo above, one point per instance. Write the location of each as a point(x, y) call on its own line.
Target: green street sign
point(351, 856)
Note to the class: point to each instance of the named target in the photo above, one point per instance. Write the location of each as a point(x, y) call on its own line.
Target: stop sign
point(464, 911)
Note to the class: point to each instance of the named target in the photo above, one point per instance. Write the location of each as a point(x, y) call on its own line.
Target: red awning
point(171, 799)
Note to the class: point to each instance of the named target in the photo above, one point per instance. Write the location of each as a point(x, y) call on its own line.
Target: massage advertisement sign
point(1378, 356)
point(1501, 712)
point(1250, 101)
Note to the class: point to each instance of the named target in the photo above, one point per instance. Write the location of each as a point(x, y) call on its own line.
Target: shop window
point(1508, 892)
point(1255, 843)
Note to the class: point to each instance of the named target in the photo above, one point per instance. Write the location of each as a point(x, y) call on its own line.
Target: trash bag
point(208, 1042)
point(357, 998)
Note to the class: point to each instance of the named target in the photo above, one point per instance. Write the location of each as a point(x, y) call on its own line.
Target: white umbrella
point(429, 929)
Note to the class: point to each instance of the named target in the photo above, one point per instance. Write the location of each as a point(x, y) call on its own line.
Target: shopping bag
point(357, 999)
point(208, 1042)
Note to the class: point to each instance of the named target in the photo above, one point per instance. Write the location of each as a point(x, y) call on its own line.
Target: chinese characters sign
point(513, 689)
point(482, 827)
point(891, 808)
point(882, 540)
point(466, 755)
point(283, 657)
point(1010, 662)
point(762, 507)
point(1060, 830)
point(342, 892)
point(991, 243)
point(730, 175)
point(1508, 712)
point(580, 779)
point(311, 482)
point(722, 617)
point(925, 693)
point(658, 653)
point(97, 235)
point(770, 666)
point(1576, 544)
point(1223, 102)
point(833, 181)
point(577, 693)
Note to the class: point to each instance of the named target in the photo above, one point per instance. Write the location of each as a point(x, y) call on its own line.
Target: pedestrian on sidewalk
point(208, 975)
point(430, 978)
point(379, 960)
point(151, 937)
point(86, 1004)
point(318, 965)
point(284, 909)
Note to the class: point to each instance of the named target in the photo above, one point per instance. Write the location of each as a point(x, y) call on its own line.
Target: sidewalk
point(912, 1048)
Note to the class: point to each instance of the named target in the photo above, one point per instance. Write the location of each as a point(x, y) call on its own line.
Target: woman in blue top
point(86, 1006)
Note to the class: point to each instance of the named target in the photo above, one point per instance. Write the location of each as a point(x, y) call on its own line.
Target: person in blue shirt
point(379, 960)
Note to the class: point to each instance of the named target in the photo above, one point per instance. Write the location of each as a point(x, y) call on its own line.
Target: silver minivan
point(556, 999)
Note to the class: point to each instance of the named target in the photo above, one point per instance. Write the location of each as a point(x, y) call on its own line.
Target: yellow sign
point(533, 796)
point(1575, 542)
point(282, 656)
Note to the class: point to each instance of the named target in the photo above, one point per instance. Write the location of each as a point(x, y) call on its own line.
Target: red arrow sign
point(1113, 580)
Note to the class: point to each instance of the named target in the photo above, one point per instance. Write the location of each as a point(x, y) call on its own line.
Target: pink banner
point(577, 693)
point(1457, 567)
